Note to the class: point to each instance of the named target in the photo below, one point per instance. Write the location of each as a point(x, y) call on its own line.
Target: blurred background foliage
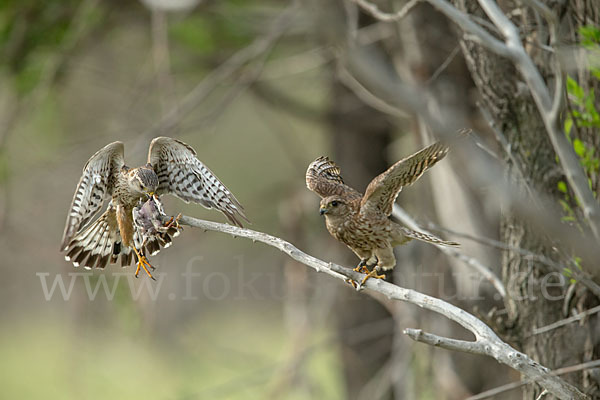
point(77, 75)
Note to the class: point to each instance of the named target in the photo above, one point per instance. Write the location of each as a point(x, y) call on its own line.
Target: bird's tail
point(426, 237)
point(98, 243)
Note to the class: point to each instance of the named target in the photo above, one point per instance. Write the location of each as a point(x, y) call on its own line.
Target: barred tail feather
point(426, 237)
point(100, 243)
point(94, 246)
point(127, 255)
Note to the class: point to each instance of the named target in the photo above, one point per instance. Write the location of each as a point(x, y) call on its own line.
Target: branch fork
point(486, 341)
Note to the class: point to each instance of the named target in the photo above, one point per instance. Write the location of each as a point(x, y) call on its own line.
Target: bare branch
point(543, 394)
point(365, 95)
point(566, 321)
point(477, 33)
point(443, 66)
point(548, 108)
point(445, 343)
point(578, 275)
point(471, 262)
point(552, 20)
point(383, 16)
point(516, 385)
point(490, 343)
point(480, 35)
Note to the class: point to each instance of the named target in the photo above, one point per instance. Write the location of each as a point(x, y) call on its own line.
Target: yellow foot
point(352, 283)
point(173, 222)
point(372, 274)
point(362, 267)
point(143, 263)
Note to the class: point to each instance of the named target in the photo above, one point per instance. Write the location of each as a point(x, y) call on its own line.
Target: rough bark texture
point(529, 305)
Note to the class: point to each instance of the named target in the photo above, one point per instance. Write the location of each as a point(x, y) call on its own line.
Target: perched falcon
point(172, 168)
point(362, 222)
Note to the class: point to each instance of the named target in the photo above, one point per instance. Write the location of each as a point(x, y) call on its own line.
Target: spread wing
point(323, 177)
point(94, 187)
point(181, 173)
point(383, 190)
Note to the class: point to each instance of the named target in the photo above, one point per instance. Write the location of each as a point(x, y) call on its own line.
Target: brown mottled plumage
point(172, 168)
point(363, 222)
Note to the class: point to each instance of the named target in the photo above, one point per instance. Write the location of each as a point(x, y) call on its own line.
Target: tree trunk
point(534, 299)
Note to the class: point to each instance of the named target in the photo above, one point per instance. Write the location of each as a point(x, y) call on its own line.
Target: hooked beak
point(150, 194)
point(322, 210)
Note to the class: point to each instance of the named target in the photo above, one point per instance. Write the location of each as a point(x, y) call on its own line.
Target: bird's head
point(143, 180)
point(334, 206)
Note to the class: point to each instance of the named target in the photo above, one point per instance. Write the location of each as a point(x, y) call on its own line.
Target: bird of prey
point(172, 168)
point(363, 222)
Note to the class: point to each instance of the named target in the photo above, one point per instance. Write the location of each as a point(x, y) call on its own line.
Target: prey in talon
point(154, 228)
point(134, 223)
point(153, 224)
point(363, 222)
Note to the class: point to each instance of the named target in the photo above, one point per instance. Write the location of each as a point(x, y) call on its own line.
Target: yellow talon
point(372, 274)
point(142, 263)
point(352, 283)
point(173, 222)
point(362, 268)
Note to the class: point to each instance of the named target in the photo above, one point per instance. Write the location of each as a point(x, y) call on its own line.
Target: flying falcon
point(362, 222)
point(172, 168)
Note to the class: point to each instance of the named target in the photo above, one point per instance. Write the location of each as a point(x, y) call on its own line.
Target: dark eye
point(334, 203)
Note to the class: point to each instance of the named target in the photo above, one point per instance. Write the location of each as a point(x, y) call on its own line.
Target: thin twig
point(516, 385)
point(578, 275)
point(473, 263)
point(383, 16)
point(501, 139)
point(476, 31)
point(488, 342)
point(543, 394)
point(566, 321)
point(443, 66)
point(445, 343)
point(369, 98)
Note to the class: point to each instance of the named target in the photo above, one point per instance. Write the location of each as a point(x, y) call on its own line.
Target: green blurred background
point(78, 75)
